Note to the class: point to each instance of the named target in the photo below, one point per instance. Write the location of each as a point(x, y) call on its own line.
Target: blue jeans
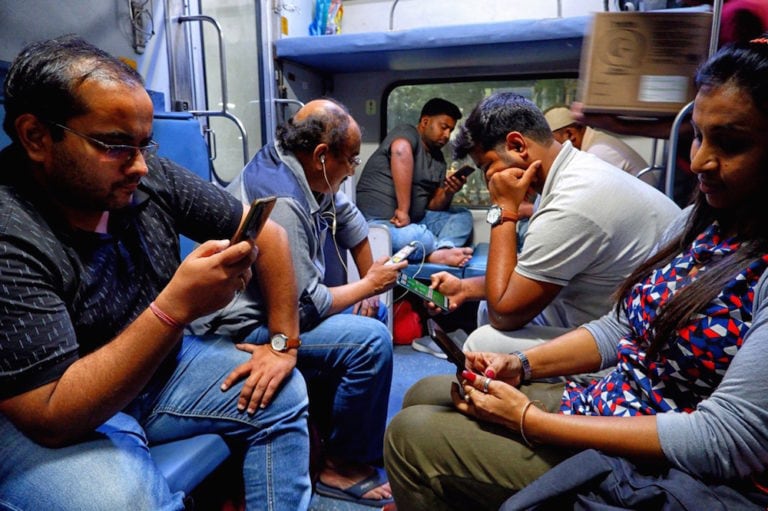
point(347, 362)
point(112, 469)
point(438, 229)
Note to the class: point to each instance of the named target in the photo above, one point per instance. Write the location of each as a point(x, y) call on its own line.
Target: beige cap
point(558, 117)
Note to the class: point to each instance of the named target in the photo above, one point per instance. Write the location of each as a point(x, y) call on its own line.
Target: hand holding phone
point(257, 216)
point(464, 171)
point(446, 344)
point(423, 290)
point(403, 253)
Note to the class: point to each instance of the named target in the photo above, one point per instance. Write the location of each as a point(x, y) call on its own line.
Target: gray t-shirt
point(376, 191)
point(593, 226)
point(307, 230)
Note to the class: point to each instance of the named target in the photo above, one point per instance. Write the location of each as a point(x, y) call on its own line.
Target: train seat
point(474, 268)
point(185, 463)
point(5, 140)
point(181, 140)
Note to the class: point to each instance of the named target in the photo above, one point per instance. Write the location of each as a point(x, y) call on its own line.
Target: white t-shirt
point(593, 226)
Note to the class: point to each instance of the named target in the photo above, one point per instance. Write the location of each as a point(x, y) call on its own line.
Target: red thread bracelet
point(165, 318)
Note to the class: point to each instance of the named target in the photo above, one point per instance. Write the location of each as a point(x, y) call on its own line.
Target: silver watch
point(496, 215)
point(281, 342)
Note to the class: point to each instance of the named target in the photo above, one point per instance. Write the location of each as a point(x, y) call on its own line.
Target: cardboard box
point(642, 63)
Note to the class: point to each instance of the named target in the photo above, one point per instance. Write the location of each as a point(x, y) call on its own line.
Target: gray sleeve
point(726, 436)
point(352, 227)
point(299, 227)
point(675, 228)
point(607, 331)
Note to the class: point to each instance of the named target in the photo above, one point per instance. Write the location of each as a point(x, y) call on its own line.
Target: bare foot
point(343, 475)
point(458, 256)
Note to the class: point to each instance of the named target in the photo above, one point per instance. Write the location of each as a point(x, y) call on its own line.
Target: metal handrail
point(669, 178)
point(224, 112)
point(392, 15)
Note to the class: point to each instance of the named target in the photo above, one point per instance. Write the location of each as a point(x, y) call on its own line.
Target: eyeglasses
point(355, 161)
point(117, 152)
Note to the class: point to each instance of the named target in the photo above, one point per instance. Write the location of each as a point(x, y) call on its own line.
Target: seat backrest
point(181, 140)
point(4, 138)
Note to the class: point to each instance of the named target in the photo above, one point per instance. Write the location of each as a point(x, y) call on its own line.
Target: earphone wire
point(332, 213)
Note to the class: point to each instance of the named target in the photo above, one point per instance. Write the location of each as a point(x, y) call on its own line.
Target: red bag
point(407, 324)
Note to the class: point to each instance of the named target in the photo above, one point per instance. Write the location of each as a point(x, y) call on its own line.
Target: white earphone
point(322, 158)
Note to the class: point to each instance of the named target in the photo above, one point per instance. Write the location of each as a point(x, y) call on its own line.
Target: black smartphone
point(464, 171)
point(423, 290)
point(446, 344)
point(255, 219)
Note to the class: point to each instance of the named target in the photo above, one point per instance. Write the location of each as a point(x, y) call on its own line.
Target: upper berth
point(490, 46)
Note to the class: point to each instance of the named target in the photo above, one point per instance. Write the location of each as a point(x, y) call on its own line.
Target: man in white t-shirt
point(592, 227)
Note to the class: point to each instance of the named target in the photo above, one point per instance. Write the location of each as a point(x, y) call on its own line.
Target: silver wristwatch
point(496, 216)
point(281, 342)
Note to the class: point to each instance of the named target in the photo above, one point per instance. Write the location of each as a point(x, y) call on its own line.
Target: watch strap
point(292, 343)
point(507, 216)
point(525, 363)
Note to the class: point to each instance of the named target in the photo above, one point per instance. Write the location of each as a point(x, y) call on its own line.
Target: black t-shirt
point(376, 191)
point(67, 292)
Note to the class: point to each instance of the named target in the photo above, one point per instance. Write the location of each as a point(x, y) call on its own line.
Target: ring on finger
point(486, 382)
point(467, 394)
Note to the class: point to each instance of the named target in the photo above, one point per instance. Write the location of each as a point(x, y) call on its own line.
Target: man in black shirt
point(93, 360)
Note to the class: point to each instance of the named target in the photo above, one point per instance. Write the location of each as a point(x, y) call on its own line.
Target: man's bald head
point(321, 121)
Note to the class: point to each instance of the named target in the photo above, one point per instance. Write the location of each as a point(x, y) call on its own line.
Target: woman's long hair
point(746, 67)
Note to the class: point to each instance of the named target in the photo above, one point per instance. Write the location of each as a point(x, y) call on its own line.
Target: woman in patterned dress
point(688, 342)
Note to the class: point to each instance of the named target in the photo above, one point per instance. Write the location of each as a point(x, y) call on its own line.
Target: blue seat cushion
point(186, 463)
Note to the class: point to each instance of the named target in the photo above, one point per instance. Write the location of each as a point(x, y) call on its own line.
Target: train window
point(405, 101)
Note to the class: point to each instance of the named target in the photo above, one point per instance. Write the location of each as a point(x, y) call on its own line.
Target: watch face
point(278, 342)
point(493, 216)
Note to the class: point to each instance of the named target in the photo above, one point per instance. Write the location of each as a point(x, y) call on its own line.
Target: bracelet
point(525, 363)
point(522, 420)
point(165, 318)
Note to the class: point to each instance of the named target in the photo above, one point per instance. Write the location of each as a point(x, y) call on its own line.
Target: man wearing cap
point(601, 144)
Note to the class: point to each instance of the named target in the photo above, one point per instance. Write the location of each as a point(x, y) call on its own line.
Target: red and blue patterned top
point(689, 367)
